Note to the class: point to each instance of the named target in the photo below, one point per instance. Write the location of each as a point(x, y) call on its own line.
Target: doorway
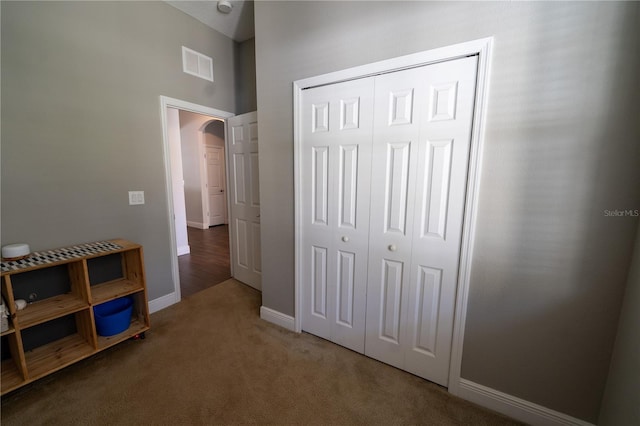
point(241, 176)
point(200, 254)
point(206, 261)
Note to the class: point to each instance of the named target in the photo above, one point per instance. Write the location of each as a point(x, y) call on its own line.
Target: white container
point(15, 251)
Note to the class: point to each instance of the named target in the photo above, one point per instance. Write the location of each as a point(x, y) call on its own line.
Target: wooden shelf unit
point(59, 329)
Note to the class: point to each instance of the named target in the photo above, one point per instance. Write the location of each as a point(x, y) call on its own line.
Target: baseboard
point(514, 407)
point(198, 225)
point(184, 250)
point(162, 302)
point(277, 318)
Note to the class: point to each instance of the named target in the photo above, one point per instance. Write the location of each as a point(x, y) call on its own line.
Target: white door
point(337, 130)
point(422, 134)
point(419, 134)
point(214, 156)
point(245, 199)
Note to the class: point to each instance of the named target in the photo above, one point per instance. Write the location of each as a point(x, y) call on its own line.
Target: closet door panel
point(320, 185)
point(396, 187)
point(336, 158)
point(346, 288)
point(426, 307)
point(348, 187)
point(390, 293)
point(399, 102)
point(441, 176)
point(319, 282)
point(435, 194)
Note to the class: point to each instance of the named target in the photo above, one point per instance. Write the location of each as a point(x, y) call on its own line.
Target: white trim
point(167, 102)
point(191, 107)
point(227, 175)
point(162, 302)
point(184, 250)
point(297, 217)
point(514, 407)
point(396, 64)
point(198, 225)
point(484, 51)
point(480, 47)
point(277, 318)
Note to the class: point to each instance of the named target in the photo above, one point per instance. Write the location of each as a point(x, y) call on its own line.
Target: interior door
point(245, 199)
point(422, 135)
point(337, 126)
point(214, 156)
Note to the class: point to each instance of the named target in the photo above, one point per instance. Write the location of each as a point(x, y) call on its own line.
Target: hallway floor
point(208, 263)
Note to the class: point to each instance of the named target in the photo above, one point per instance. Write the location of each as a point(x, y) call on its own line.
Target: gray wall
point(245, 64)
point(562, 135)
point(621, 403)
point(81, 120)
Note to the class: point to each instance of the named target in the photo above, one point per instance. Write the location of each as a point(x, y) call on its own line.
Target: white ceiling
point(237, 25)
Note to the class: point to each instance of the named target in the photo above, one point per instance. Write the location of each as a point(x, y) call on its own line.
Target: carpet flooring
point(210, 359)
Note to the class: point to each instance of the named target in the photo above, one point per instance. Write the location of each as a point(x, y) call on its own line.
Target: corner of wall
point(621, 400)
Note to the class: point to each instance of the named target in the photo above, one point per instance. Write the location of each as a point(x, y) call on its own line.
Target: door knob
point(345, 239)
point(222, 190)
point(392, 247)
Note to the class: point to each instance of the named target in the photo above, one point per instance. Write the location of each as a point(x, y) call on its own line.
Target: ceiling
point(237, 25)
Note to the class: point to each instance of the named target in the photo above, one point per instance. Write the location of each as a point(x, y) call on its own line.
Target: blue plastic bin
point(113, 317)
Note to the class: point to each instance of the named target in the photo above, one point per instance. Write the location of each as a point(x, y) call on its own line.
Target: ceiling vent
point(197, 64)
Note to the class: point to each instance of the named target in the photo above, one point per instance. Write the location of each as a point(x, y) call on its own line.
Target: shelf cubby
point(136, 327)
point(105, 292)
point(57, 327)
point(49, 309)
point(13, 363)
point(56, 355)
point(10, 375)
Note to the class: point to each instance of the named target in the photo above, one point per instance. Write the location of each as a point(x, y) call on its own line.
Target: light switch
point(136, 197)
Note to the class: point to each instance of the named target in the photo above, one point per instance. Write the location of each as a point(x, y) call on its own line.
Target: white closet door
point(399, 102)
point(422, 134)
point(336, 160)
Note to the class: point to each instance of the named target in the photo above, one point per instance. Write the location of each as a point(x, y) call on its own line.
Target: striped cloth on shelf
point(56, 255)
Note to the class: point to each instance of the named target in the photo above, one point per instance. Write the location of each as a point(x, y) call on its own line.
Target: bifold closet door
point(422, 134)
point(336, 168)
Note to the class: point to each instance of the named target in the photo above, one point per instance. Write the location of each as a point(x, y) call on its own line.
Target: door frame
point(482, 48)
point(167, 102)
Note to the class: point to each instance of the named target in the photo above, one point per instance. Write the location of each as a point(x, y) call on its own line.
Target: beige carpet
point(211, 360)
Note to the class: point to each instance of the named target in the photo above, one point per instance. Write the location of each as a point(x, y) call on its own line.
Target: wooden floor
point(208, 262)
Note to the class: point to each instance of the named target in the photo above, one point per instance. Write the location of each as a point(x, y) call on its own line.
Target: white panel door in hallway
point(412, 161)
point(214, 156)
point(245, 199)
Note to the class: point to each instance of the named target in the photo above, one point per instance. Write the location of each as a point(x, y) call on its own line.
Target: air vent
point(197, 64)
